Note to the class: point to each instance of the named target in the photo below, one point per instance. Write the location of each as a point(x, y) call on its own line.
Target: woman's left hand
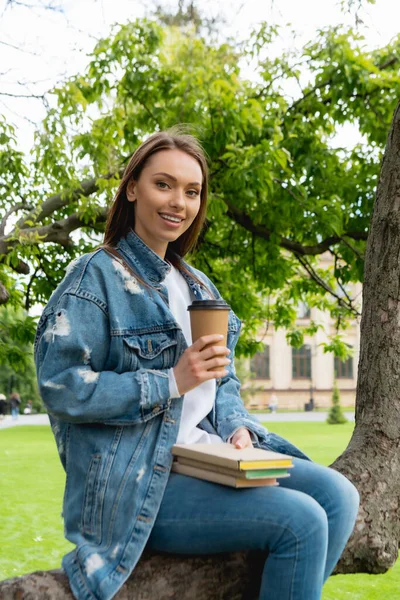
point(242, 439)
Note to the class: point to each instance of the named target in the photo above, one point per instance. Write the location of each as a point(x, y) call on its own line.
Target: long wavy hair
point(121, 218)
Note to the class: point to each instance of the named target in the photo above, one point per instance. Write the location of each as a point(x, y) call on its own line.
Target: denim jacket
point(103, 348)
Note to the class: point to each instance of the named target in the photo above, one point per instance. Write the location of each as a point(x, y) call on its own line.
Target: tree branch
point(390, 62)
point(300, 201)
point(58, 232)
point(309, 93)
point(290, 191)
point(28, 289)
point(337, 261)
point(261, 231)
point(17, 48)
point(311, 272)
point(9, 213)
point(35, 96)
point(4, 295)
point(53, 203)
point(22, 267)
point(356, 252)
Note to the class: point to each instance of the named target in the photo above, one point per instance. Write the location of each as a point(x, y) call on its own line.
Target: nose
point(177, 200)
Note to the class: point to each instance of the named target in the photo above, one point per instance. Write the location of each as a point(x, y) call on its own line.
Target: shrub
point(336, 415)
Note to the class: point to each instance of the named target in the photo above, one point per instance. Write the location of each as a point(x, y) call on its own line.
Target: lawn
point(31, 489)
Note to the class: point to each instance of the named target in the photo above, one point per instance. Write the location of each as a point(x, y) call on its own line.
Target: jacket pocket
point(90, 519)
point(150, 351)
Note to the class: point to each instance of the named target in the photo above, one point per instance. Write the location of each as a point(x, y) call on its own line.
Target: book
point(252, 474)
point(227, 455)
point(213, 476)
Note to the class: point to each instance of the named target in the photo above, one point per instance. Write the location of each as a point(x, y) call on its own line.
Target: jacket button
point(156, 409)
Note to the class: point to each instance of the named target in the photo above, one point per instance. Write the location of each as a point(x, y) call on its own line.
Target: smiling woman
point(165, 203)
point(123, 382)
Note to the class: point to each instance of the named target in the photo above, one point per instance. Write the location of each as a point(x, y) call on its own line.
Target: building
point(296, 375)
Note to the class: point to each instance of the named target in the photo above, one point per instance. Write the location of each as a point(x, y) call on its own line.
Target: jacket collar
point(144, 260)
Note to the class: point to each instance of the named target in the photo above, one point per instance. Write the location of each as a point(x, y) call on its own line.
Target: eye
point(162, 185)
point(193, 193)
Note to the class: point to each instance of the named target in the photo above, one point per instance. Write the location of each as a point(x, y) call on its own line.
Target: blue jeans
point(304, 523)
point(15, 413)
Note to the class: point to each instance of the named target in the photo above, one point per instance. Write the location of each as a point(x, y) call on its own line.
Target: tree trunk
point(372, 459)
point(235, 575)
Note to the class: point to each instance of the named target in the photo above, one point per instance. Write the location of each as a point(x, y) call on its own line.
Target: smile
point(171, 219)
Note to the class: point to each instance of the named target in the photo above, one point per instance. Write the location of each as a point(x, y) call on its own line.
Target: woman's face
point(166, 198)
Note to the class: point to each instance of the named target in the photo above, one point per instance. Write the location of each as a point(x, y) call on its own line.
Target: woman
point(15, 401)
point(123, 382)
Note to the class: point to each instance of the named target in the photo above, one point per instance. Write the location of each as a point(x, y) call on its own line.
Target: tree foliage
point(282, 193)
point(17, 373)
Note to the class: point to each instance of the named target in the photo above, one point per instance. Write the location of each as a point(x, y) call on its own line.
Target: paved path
point(315, 417)
point(42, 419)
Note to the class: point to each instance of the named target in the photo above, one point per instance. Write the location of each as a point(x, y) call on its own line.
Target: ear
point(131, 191)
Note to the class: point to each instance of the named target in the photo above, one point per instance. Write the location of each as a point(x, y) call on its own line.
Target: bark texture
point(372, 458)
point(235, 575)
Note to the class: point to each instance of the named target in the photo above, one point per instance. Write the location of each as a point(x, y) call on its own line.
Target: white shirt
point(198, 402)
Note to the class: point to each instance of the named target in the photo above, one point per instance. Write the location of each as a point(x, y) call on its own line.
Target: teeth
point(168, 218)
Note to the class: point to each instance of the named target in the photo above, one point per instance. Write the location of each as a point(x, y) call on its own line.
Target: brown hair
point(121, 218)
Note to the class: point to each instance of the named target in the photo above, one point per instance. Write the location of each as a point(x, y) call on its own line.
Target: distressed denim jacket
point(103, 348)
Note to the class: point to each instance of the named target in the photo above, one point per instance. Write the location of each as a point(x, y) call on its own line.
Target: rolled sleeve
point(173, 387)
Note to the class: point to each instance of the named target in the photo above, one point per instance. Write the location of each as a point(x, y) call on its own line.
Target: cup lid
point(209, 305)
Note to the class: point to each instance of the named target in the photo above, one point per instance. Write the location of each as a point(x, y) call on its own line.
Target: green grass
point(320, 441)
point(31, 489)
point(349, 409)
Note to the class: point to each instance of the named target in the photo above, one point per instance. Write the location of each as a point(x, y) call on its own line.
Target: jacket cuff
point(173, 388)
point(228, 426)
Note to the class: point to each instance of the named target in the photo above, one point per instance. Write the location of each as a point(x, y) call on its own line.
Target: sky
point(40, 47)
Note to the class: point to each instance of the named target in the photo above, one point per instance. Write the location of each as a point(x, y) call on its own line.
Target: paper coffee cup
point(208, 317)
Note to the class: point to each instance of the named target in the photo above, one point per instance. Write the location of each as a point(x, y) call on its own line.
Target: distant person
point(3, 406)
point(273, 403)
point(28, 408)
point(309, 406)
point(15, 401)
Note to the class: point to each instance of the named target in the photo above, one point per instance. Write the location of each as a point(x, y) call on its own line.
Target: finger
point(243, 442)
point(206, 340)
point(214, 351)
point(212, 363)
point(220, 374)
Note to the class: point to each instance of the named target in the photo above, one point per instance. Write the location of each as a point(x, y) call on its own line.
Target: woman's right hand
point(195, 363)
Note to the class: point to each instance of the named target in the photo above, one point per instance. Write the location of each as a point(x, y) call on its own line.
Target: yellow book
point(227, 455)
point(231, 481)
point(244, 465)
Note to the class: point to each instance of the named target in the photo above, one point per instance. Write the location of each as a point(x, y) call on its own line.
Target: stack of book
point(228, 465)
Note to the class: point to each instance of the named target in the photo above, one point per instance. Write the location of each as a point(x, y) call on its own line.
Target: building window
point(259, 364)
point(301, 362)
point(303, 310)
point(344, 368)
